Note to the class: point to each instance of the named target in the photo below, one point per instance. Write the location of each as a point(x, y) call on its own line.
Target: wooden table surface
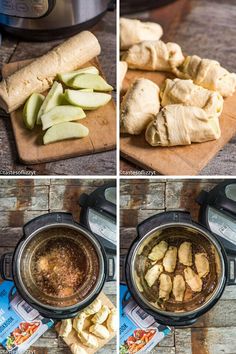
point(23, 199)
point(206, 28)
point(214, 332)
point(13, 49)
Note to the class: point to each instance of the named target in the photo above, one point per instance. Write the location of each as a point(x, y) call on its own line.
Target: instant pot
point(179, 224)
point(51, 19)
point(38, 233)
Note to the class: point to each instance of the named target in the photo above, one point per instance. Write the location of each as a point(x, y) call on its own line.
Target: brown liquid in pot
point(192, 300)
point(59, 268)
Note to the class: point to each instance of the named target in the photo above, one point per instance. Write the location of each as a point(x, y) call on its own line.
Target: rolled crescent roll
point(134, 31)
point(207, 73)
point(154, 56)
point(38, 76)
point(182, 125)
point(139, 106)
point(186, 92)
point(123, 70)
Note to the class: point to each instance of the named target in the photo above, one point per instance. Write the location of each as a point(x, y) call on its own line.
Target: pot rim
point(102, 267)
point(210, 301)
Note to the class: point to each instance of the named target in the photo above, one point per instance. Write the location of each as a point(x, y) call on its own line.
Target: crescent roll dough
point(207, 73)
point(139, 106)
point(165, 286)
point(123, 66)
point(182, 125)
point(189, 94)
point(154, 56)
point(38, 76)
point(134, 31)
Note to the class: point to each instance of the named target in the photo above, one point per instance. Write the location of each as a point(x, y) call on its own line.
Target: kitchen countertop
point(214, 332)
point(13, 49)
point(206, 28)
point(23, 199)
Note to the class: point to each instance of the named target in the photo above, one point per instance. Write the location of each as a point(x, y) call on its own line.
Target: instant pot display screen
point(176, 270)
point(62, 269)
point(222, 224)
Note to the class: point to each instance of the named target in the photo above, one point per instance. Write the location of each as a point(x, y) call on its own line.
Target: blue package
point(20, 324)
point(139, 332)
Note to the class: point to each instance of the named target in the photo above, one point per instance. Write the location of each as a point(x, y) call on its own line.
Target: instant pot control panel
point(25, 8)
point(218, 212)
point(98, 214)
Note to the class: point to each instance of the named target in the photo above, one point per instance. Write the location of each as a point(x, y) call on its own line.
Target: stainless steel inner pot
point(178, 233)
point(37, 240)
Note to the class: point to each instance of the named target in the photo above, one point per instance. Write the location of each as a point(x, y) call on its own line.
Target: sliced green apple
point(63, 101)
point(86, 81)
point(64, 131)
point(87, 100)
point(86, 90)
point(52, 99)
point(60, 114)
point(31, 109)
point(66, 77)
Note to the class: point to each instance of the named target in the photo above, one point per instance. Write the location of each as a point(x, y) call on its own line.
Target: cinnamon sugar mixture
point(60, 268)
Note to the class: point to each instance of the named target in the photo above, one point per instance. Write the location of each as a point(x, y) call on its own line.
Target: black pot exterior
point(57, 219)
point(146, 227)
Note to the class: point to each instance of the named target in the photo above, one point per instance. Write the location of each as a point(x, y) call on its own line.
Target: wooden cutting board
point(181, 160)
point(73, 338)
point(101, 124)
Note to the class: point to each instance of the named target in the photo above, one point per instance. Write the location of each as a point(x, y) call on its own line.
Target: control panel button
point(7, 4)
point(24, 8)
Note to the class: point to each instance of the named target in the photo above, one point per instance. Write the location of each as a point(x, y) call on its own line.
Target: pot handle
point(6, 266)
point(47, 219)
point(111, 267)
point(231, 279)
point(162, 218)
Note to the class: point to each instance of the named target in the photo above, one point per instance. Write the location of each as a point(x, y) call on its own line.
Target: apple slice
point(86, 90)
point(87, 100)
point(63, 101)
point(66, 77)
point(86, 81)
point(63, 131)
point(52, 99)
point(31, 109)
point(60, 114)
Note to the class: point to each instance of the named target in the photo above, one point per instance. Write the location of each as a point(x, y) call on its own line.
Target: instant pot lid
point(218, 212)
point(98, 213)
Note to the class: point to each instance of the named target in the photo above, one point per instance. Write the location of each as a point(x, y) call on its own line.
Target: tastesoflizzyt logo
point(17, 173)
